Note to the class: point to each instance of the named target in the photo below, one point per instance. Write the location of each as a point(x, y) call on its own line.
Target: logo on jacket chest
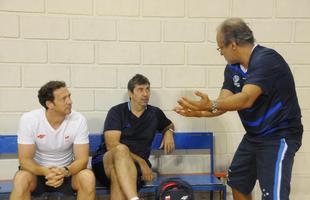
point(236, 80)
point(41, 135)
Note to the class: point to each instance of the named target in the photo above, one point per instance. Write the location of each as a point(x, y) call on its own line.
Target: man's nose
point(145, 92)
point(69, 101)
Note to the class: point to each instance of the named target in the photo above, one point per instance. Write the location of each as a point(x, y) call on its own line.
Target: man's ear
point(130, 94)
point(234, 45)
point(49, 104)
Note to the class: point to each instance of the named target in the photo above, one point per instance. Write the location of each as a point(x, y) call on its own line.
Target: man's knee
point(85, 180)
point(115, 156)
point(24, 181)
point(121, 151)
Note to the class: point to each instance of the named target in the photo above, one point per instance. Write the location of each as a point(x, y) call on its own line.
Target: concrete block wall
point(97, 45)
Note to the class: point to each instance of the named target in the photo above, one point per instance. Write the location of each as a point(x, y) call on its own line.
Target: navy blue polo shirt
point(276, 111)
point(137, 133)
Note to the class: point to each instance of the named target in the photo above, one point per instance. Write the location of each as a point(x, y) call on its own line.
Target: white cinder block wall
point(97, 45)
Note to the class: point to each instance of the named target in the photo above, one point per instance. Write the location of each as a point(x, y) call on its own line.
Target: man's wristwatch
point(214, 106)
point(171, 130)
point(68, 171)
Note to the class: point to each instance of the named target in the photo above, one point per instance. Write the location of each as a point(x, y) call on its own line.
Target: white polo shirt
point(54, 147)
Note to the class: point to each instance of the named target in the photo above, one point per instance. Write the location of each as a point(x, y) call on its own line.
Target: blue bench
point(189, 141)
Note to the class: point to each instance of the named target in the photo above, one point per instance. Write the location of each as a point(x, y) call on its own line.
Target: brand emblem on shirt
point(41, 135)
point(236, 79)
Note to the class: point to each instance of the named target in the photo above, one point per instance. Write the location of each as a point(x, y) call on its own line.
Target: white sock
point(134, 198)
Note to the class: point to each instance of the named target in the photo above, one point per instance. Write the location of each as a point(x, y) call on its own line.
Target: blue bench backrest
point(8, 144)
point(183, 140)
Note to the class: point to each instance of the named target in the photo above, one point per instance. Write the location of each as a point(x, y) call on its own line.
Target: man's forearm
point(137, 158)
point(77, 165)
point(170, 127)
point(236, 102)
point(208, 114)
point(243, 100)
point(33, 167)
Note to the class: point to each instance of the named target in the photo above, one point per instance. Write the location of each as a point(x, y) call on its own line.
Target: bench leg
point(224, 194)
point(211, 195)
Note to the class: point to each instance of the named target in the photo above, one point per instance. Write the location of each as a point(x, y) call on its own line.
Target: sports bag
point(174, 189)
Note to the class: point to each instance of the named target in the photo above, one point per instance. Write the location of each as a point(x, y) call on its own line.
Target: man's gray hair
point(236, 30)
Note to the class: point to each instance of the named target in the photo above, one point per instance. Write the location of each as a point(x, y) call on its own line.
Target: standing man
point(53, 148)
point(129, 129)
point(260, 86)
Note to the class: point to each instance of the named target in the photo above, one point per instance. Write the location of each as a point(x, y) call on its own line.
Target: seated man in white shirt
point(53, 148)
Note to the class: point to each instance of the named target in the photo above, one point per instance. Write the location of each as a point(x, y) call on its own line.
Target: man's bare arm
point(26, 154)
point(244, 99)
point(112, 138)
point(81, 153)
point(168, 141)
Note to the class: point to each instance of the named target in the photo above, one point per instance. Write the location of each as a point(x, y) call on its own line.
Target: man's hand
point(204, 104)
point(55, 177)
point(168, 142)
point(147, 173)
point(187, 112)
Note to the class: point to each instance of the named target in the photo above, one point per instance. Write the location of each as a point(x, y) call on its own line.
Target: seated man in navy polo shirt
point(129, 129)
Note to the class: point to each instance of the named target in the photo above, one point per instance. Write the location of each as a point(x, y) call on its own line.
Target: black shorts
point(65, 188)
point(100, 175)
point(269, 160)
